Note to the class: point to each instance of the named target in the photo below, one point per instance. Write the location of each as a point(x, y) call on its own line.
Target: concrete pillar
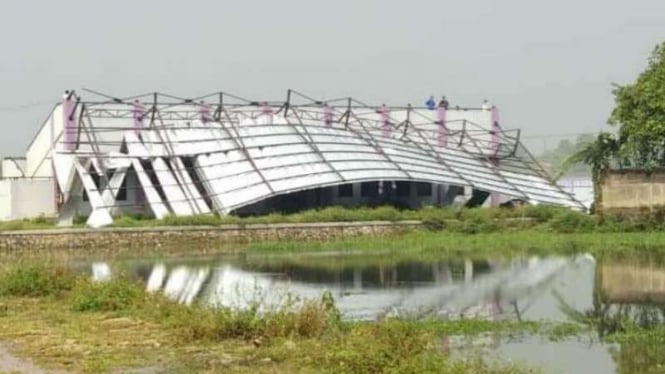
point(442, 133)
point(357, 193)
point(385, 121)
point(327, 115)
point(266, 110)
point(68, 122)
point(138, 112)
point(204, 111)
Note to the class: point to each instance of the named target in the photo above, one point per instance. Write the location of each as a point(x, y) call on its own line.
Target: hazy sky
point(548, 65)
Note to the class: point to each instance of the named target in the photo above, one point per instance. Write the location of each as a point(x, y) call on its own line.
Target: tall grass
point(318, 339)
point(460, 220)
point(34, 280)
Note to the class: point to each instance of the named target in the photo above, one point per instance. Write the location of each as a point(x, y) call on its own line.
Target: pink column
point(68, 122)
point(385, 120)
point(442, 133)
point(327, 115)
point(138, 112)
point(494, 132)
point(267, 111)
point(204, 110)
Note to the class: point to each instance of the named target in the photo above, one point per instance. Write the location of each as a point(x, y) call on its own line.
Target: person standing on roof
point(430, 104)
point(444, 103)
point(486, 105)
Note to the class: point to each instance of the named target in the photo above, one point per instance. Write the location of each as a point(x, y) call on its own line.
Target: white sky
point(548, 65)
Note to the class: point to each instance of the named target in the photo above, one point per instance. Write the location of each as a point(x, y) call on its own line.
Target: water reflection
point(610, 297)
point(491, 289)
point(624, 296)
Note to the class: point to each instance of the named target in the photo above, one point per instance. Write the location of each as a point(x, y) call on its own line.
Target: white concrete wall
point(5, 199)
point(26, 198)
point(38, 156)
point(32, 198)
point(12, 168)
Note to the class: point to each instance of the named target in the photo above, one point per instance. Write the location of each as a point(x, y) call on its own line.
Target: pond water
point(369, 286)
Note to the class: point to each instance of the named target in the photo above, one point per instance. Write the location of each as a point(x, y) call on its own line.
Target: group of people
point(443, 103)
point(431, 103)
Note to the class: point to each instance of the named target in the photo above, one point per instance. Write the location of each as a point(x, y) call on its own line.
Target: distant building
point(158, 156)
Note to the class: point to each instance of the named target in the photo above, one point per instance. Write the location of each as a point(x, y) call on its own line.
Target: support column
point(138, 112)
point(68, 122)
point(385, 121)
point(442, 133)
point(267, 112)
point(204, 111)
point(327, 115)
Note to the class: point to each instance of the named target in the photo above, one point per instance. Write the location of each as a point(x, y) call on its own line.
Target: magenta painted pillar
point(494, 132)
point(327, 115)
point(266, 110)
point(442, 130)
point(138, 112)
point(204, 110)
point(68, 122)
point(385, 121)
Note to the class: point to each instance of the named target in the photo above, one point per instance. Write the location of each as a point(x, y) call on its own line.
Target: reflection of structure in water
point(448, 289)
point(627, 284)
point(403, 273)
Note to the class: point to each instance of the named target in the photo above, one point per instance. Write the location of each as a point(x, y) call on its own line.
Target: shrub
point(434, 224)
point(541, 213)
point(570, 221)
point(30, 280)
point(307, 319)
point(388, 346)
point(476, 222)
point(195, 220)
point(114, 295)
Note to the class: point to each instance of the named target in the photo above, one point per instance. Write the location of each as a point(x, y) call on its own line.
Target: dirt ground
point(12, 364)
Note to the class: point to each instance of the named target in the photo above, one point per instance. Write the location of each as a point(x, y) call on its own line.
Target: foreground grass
point(63, 321)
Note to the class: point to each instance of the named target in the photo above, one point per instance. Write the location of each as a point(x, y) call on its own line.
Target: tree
point(639, 115)
point(561, 158)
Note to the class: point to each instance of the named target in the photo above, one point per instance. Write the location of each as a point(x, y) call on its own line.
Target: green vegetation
point(102, 327)
point(344, 214)
point(558, 159)
point(29, 280)
point(639, 117)
point(650, 246)
point(541, 218)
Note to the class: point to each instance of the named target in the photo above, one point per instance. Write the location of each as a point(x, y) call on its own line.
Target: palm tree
point(598, 154)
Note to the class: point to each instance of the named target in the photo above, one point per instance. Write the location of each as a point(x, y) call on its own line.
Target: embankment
point(200, 237)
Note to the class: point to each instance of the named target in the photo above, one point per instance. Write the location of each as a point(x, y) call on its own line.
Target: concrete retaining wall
point(632, 190)
point(200, 238)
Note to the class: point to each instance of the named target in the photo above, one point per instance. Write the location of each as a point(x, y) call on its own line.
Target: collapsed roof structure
point(220, 152)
